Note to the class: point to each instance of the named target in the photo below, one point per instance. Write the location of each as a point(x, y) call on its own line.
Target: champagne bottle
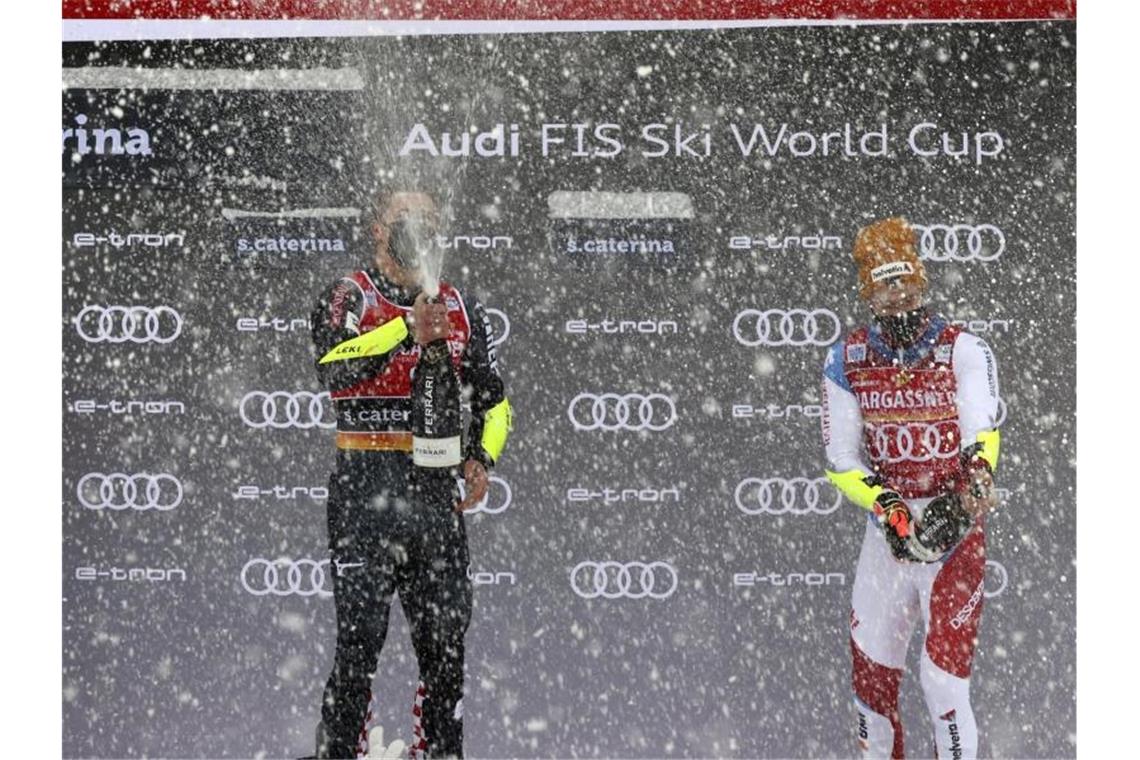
point(436, 416)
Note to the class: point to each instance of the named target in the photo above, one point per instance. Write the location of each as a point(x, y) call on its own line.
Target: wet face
point(894, 297)
point(401, 204)
point(899, 311)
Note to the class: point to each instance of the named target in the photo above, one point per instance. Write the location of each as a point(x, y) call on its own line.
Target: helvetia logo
point(955, 735)
point(105, 141)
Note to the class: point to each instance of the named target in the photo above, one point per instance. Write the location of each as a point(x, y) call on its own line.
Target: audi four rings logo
point(289, 577)
point(500, 335)
point(136, 324)
point(281, 409)
point(119, 491)
point(791, 327)
point(500, 502)
point(959, 242)
point(613, 411)
point(997, 571)
point(623, 580)
point(782, 496)
point(893, 443)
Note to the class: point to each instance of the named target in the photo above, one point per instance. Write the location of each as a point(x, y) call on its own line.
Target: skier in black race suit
point(395, 526)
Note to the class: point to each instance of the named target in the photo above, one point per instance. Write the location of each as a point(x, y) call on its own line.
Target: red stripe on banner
point(467, 10)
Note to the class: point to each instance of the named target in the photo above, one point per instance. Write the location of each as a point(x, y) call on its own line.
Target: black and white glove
point(944, 523)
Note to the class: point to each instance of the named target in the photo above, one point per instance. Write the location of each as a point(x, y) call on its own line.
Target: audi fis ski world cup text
point(678, 139)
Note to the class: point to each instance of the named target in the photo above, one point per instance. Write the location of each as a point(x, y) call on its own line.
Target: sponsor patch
point(893, 269)
point(942, 354)
point(857, 352)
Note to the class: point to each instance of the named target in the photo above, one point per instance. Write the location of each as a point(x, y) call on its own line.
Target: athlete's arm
point(344, 356)
point(842, 424)
point(975, 372)
point(483, 387)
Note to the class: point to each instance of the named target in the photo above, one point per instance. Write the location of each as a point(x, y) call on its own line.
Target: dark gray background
point(202, 668)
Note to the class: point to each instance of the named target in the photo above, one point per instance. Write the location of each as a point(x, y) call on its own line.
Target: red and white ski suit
point(904, 417)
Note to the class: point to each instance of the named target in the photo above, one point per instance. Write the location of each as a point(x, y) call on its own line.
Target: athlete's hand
point(429, 321)
point(896, 521)
point(979, 495)
point(475, 485)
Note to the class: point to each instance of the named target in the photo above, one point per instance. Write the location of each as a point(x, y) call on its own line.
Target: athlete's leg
point(952, 607)
point(435, 593)
point(418, 747)
point(363, 583)
point(884, 610)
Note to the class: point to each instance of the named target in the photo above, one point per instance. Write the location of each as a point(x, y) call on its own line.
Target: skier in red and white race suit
point(910, 420)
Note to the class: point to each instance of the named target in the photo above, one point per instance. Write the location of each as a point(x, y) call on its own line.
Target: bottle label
point(436, 452)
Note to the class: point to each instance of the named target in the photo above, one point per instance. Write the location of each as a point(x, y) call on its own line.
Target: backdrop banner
point(660, 224)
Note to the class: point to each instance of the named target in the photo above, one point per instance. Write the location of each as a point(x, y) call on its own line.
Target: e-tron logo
point(893, 443)
point(959, 242)
point(790, 327)
point(137, 324)
point(612, 411)
point(783, 496)
point(500, 335)
point(281, 409)
point(118, 491)
point(997, 572)
point(628, 580)
point(477, 242)
point(130, 240)
point(288, 577)
point(820, 242)
point(497, 500)
point(277, 324)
